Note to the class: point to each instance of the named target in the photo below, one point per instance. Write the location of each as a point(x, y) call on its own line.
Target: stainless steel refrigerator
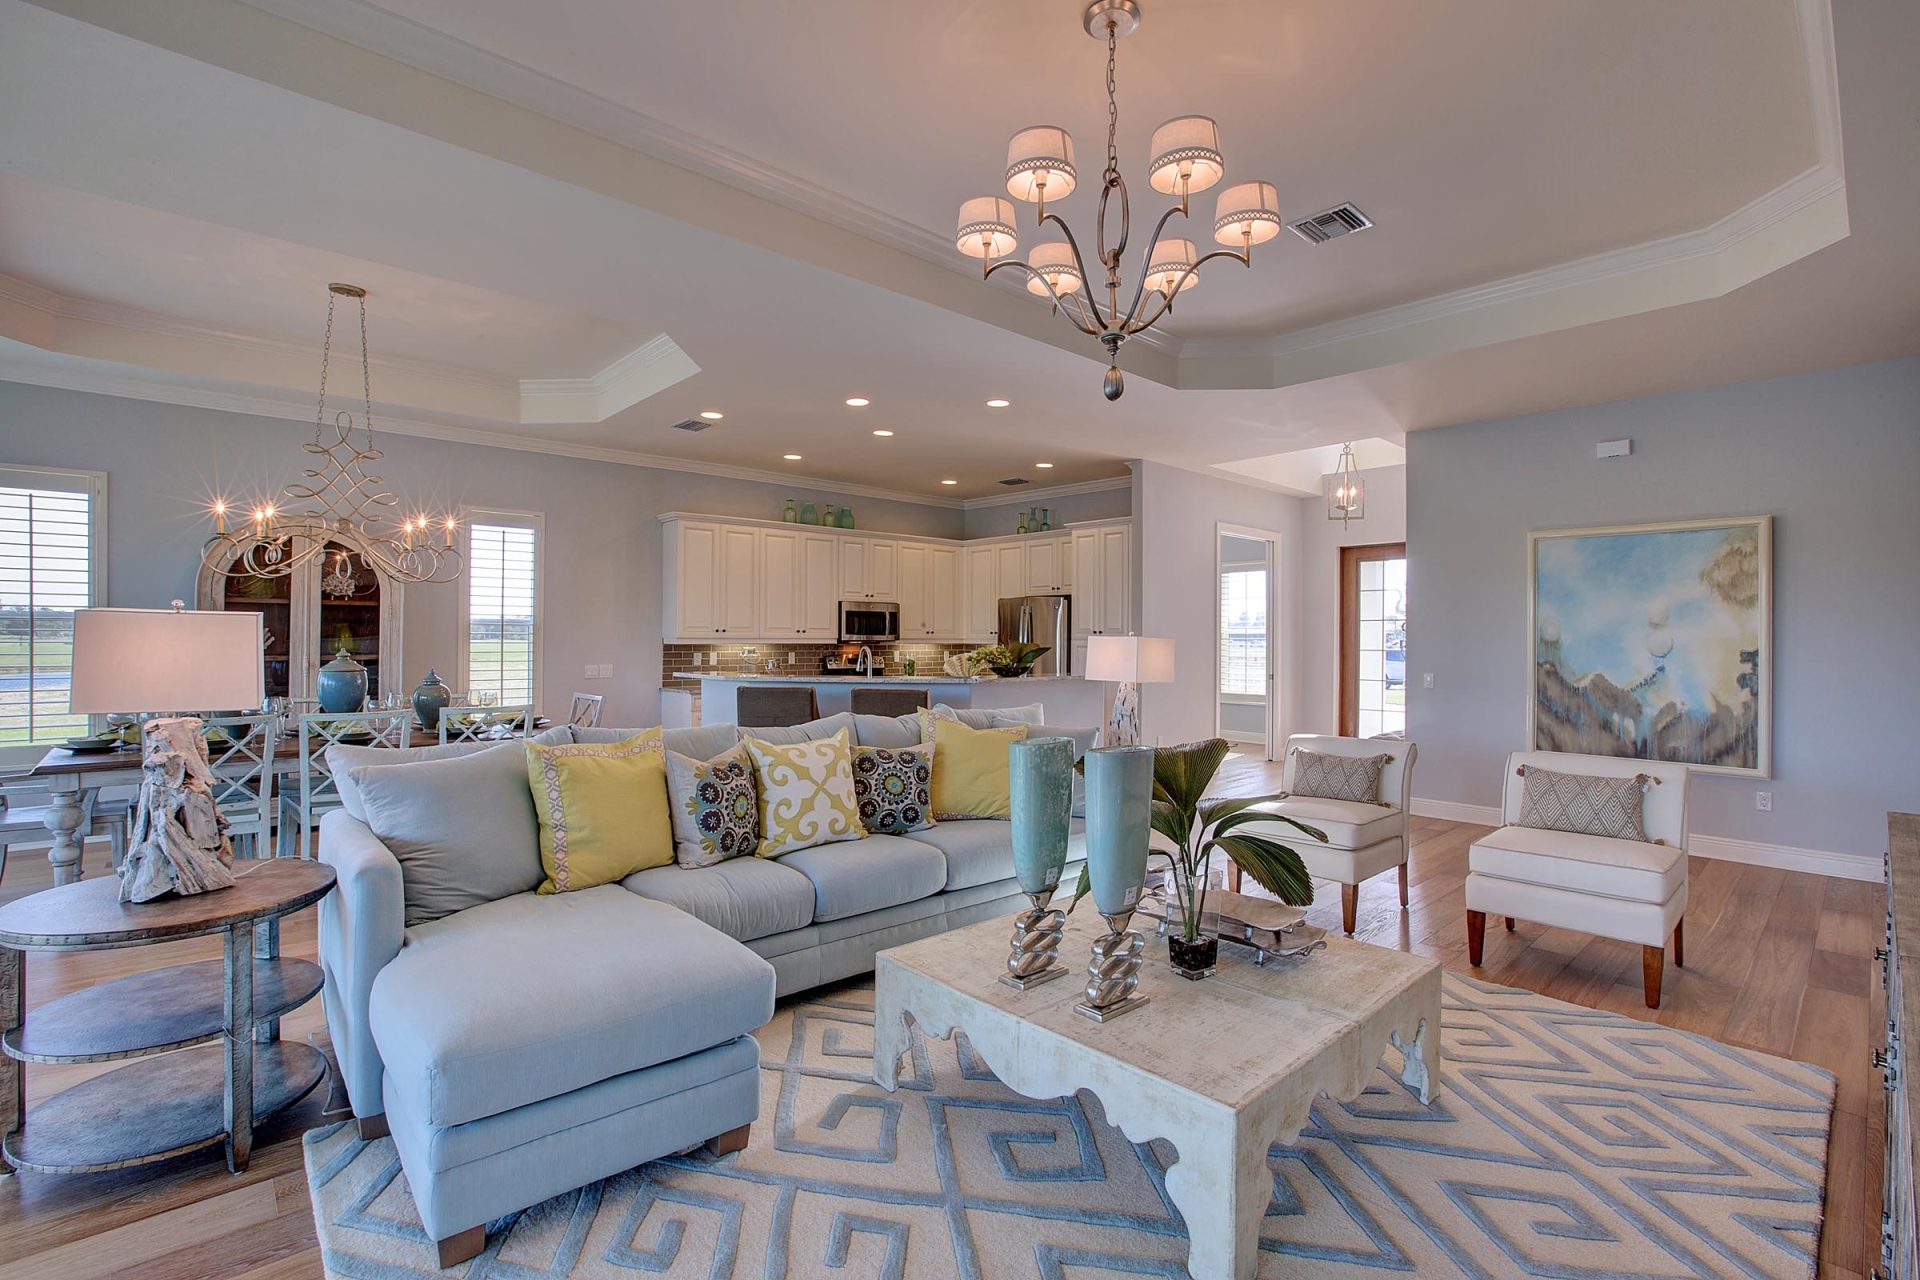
point(1043, 620)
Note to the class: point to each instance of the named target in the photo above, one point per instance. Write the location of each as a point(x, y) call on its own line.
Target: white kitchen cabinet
point(943, 592)
point(1049, 565)
point(1010, 570)
point(739, 581)
point(980, 620)
point(799, 585)
point(1103, 580)
point(869, 569)
point(713, 581)
point(911, 571)
point(820, 587)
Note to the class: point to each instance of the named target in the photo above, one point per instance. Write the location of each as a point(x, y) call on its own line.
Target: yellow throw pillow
point(806, 794)
point(603, 810)
point(970, 769)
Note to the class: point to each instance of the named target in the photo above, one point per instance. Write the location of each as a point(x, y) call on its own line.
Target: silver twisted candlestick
point(1036, 944)
point(1113, 974)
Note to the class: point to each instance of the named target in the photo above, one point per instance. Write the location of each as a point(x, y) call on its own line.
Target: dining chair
point(389, 728)
point(27, 823)
point(585, 711)
point(483, 724)
point(768, 707)
point(240, 753)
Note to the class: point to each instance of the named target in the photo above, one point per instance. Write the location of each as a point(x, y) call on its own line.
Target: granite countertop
point(808, 678)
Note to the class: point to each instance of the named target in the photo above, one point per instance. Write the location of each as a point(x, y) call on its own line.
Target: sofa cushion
point(970, 769)
point(532, 997)
point(983, 718)
point(981, 851)
point(462, 828)
point(744, 898)
point(806, 793)
point(716, 807)
point(811, 731)
point(866, 875)
point(887, 731)
point(343, 759)
point(703, 741)
point(894, 788)
point(602, 808)
point(1348, 824)
point(1630, 869)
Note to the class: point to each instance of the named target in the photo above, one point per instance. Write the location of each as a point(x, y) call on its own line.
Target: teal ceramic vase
point(342, 687)
point(429, 700)
point(808, 515)
point(846, 517)
point(1119, 800)
point(1040, 778)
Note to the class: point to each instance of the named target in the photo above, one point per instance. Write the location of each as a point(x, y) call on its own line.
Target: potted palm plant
point(1197, 827)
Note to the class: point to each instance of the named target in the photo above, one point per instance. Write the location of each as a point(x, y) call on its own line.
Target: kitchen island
point(1071, 701)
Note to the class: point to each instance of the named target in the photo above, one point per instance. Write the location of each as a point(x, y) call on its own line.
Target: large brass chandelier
point(346, 497)
point(1185, 158)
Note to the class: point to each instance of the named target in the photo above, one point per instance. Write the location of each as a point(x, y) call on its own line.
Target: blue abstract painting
point(1651, 641)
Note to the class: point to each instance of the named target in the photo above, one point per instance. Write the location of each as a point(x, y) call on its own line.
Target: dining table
point(68, 773)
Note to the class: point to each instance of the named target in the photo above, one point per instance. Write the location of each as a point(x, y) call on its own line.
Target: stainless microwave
point(869, 622)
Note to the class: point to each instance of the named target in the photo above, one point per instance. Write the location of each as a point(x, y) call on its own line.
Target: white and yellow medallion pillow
point(806, 794)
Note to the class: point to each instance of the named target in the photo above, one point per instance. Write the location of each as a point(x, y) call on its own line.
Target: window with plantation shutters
point(503, 631)
point(1243, 631)
point(48, 547)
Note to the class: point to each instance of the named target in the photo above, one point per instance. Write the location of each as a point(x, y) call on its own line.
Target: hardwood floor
point(1777, 961)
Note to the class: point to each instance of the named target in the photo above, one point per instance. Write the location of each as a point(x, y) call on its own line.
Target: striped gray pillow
point(1583, 804)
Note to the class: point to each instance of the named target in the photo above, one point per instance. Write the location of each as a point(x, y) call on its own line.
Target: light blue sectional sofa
point(523, 1046)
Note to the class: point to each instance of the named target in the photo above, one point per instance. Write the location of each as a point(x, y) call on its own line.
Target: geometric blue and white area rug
point(1564, 1142)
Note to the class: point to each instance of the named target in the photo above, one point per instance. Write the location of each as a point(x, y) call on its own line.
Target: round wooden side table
point(166, 1103)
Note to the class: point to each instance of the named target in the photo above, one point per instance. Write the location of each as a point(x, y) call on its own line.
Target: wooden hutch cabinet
point(335, 601)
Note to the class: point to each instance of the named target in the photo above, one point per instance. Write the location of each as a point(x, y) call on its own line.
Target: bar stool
point(762, 707)
point(885, 701)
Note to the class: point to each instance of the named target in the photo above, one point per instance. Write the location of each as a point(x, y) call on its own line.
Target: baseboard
point(1842, 866)
point(1481, 814)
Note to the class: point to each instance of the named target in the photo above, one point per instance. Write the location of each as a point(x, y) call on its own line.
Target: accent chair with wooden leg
point(1628, 889)
point(1364, 838)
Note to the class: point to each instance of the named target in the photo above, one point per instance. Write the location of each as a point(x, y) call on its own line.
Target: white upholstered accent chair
point(1362, 839)
point(1629, 890)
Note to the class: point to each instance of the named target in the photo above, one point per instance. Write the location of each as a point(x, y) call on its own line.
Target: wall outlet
point(1613, 449)
point(599, 671)
point(1763, 801)
point(792, 658)
point(1426, 680)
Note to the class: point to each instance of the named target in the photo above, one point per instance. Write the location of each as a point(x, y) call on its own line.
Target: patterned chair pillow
point(1333, 777)
point(1583, 804)
point(716, 807)
point(806, 793)
point(894, 788)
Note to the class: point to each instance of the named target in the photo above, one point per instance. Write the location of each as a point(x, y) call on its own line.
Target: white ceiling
point(177, 186)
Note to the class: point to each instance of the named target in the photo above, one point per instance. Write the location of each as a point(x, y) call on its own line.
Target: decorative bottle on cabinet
point(1045, 524)
point(846, 517)
point(790, 515)
point(1023, 523)
point(808, 515)
point(827, 518)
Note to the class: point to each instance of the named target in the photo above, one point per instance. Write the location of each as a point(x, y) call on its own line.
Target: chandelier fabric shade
point(1247, 212)
point(1171, 266)
point(986, 228)
point(1040, 164)
point(1053, 264)
point(1189, 147)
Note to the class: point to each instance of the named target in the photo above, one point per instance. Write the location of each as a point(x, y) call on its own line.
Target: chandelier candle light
point(273, 543)
point(1346, 490)
point(1185, 157)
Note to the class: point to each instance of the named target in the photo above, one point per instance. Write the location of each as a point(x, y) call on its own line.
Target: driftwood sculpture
point(179, 839)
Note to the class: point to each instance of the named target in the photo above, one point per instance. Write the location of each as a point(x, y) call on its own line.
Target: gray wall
point(602, 555)
point(1834, 457)
point(1321, 539)
point(1004, 518)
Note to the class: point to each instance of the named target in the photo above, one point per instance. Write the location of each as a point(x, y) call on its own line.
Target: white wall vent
point(691, 424)
point(1339, 221)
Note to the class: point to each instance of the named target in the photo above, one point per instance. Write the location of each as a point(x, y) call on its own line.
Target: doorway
point(1373, 640)
point(1245, 564)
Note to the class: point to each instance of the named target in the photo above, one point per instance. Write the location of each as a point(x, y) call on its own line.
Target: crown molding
point(649, 368)
point(1026, 496)
point(125, 386)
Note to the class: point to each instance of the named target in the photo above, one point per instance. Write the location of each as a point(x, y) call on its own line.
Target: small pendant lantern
point(1346, 489)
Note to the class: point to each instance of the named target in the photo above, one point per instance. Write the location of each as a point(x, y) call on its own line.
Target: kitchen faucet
point(864, 663)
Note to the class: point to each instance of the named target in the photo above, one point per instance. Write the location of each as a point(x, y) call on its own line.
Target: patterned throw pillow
point(716, 807)
point(970, 775)
point(806, 793)
point(894, 786)
point(602, 809)
point(1583, 804)
point(1332, 777)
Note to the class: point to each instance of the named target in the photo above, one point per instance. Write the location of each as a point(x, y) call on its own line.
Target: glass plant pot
point(1196, 959)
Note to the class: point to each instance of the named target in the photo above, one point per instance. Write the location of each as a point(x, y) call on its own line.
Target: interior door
point(1373, 639)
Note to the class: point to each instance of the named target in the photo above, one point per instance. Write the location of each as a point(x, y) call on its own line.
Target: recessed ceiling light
point(712, 415)
point(883, 433)
point(998, 404)
point(949, 482)
point(791, 457)
point(858, 402)
point(1043, 465)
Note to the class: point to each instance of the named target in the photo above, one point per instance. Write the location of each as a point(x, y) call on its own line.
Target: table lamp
point(1131, 661)
point(170, 660)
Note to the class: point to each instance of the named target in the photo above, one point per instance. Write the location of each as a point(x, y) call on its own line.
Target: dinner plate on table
point(92, 746)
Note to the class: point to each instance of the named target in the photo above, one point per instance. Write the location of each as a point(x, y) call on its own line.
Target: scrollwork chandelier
point(1185, 158)
point(348, 499)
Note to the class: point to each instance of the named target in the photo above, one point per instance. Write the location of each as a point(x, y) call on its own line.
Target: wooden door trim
point(1351, 558)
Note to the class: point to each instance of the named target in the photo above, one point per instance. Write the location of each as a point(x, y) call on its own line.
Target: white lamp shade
point(1170, 267)
point(162, 660)
point(1133, 659)
point(1247, 209)
point(1188, 145)
point(1054, 260)
point(1040, 163)
point(986, 228)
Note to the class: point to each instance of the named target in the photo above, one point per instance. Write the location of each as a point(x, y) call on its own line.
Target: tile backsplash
point(807, 660)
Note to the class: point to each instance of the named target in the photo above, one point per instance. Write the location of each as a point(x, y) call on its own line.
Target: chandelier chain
point(326, 355)
point(366, 374)
point(1113, 110)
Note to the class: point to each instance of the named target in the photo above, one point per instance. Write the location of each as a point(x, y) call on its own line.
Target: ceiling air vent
point(1016, 480)
point(691, 424)
point(1335, 222)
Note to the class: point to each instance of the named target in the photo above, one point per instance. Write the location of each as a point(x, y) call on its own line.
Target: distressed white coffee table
point(1222, 1069)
